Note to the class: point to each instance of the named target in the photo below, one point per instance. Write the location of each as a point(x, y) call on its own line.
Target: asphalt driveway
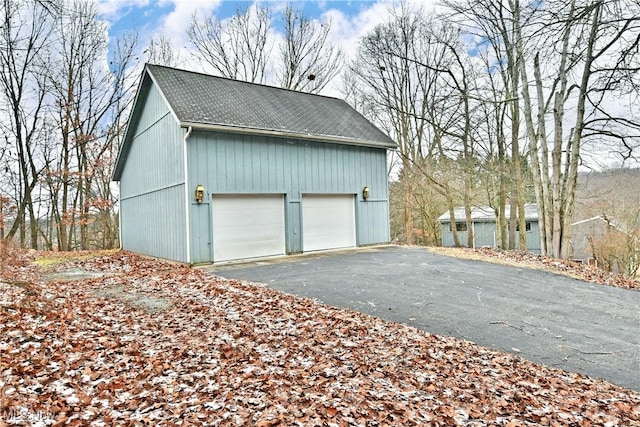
point(546, 318)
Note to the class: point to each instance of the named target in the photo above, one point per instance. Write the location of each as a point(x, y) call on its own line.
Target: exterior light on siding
point(199, 193)
point(365, 193)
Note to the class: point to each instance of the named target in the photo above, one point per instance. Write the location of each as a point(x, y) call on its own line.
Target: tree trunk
point(573, 149)
point(453, 223)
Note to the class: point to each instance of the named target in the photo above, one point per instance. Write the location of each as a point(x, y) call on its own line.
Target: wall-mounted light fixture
point(365, 193)
point(199, 193)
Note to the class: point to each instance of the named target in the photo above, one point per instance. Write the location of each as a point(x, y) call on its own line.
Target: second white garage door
point(247, 226)
point(328, 222)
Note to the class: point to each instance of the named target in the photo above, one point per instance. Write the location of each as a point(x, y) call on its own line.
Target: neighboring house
point(213, 169)
point(483, 221)
point(586, 233)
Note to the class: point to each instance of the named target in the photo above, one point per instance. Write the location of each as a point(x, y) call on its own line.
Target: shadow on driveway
point(544, 317)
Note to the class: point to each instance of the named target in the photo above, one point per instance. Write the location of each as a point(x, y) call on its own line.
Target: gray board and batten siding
point(228, 164)
point(152, 184)
point(173, 143)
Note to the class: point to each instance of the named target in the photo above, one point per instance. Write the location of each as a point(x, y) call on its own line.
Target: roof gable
point(208, 102)
point(202, 100)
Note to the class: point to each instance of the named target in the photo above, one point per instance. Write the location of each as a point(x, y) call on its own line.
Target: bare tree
point(495, 176)
point(162, 52)
point(241, 48)
point(415, 77)
point(65, 103)
point(457, 110)
point(87, 88)
point(573, 57)
point(308, 61)
point(390, 81)
point(25, 34)
point(238, 48)
point(495, 23)
point(589, 54)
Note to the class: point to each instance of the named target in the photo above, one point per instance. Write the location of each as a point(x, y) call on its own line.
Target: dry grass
point(47, 260)
point(540, 262)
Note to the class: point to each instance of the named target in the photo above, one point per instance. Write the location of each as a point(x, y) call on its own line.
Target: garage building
point(215, 170)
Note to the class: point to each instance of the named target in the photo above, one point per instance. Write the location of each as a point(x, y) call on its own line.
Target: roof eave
point(284, 134)
point(124, 148)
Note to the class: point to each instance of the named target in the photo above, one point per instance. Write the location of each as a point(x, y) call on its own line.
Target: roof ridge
point(219, 103)
point(200, 73)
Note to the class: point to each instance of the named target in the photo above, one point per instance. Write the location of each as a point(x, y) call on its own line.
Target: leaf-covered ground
point(565, 267)
point(121, 340)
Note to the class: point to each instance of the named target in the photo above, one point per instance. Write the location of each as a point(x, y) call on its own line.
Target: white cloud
point(111, 9)
point(347, 26)
point(176, 23)
point(347, 30)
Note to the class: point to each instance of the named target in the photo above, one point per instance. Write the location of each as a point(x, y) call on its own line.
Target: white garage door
point(328, 222)
point(247, 226)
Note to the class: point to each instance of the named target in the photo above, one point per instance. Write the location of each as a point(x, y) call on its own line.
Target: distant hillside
point(606, 192)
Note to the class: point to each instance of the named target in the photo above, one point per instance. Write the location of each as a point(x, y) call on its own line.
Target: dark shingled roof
point(214, 103)
point(201, 99)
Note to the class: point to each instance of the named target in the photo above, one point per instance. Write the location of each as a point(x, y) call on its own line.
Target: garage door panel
point(328, 222)
point(248, 226)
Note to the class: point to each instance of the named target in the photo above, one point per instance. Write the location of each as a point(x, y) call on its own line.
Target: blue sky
point(152, 13)
point(350, 18)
